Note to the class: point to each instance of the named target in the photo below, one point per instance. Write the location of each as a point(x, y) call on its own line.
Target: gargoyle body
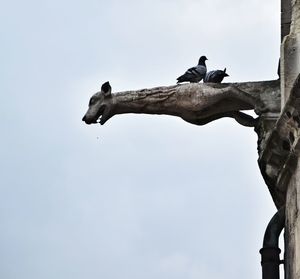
point(195, 103)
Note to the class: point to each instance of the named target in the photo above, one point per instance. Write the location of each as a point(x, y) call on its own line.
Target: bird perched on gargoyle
point(194, 74)
point(215, 76)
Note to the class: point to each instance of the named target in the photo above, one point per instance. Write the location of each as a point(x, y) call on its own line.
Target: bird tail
point(180, 79)
point(225, 74)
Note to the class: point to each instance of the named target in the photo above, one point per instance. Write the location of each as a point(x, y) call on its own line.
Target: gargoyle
point(198, 104)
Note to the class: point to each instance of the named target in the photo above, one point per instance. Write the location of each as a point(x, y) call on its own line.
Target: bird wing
point(194, 74)
point(197, 70)
point(214, 76)
point(208, 76)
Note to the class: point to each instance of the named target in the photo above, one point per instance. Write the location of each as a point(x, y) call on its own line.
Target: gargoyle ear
point(106, 89)
point(224, 70)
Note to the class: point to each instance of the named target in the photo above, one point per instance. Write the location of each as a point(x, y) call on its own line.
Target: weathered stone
point(281, 147)
point(290, 176)
point(195, 103)
point(292, 227)
point(286, 14)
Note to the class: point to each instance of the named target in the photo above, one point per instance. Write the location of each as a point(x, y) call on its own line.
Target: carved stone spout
point(198, 104)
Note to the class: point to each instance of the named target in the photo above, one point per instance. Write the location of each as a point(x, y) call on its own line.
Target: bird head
point(202, 60)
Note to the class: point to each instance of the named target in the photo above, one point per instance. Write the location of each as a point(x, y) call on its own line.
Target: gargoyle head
point(99, 106)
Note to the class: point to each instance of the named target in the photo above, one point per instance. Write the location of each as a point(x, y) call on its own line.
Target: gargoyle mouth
point(99, 114)
point(94, 119)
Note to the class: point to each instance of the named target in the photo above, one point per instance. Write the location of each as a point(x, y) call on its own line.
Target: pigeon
point(194, 74)
point(215, 76)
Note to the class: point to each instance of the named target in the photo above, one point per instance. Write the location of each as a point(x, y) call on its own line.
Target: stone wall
point(290, 68)
point(292, 228)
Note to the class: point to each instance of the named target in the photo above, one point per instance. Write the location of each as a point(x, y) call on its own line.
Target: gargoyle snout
point(86, 120)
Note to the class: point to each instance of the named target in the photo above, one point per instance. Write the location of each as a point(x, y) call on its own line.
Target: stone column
point(292, 228)
point(290, 68)
point(286, 15)
point(290, 47)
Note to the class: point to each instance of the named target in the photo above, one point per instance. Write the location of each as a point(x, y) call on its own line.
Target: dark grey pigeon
point(215, 76)
point(194, 74)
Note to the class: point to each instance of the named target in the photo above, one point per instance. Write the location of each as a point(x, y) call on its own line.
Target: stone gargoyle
point(195, 103)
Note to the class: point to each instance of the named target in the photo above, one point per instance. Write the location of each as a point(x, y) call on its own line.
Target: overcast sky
point(141, 197)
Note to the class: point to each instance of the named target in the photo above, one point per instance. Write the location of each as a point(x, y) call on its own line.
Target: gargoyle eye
point(92, 101)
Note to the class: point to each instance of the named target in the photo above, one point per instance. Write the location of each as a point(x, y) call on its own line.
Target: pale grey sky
point(142, 196)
